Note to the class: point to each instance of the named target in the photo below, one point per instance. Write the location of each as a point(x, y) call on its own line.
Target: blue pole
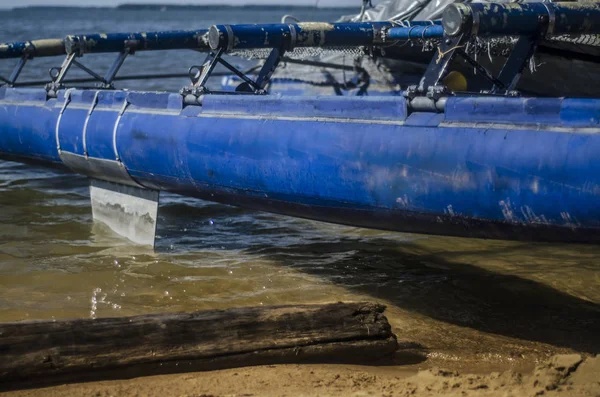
point(110, 42)
point(145, 41)
point(416, 32)
point(522, 19)
point(288, 36)
point(35, 48)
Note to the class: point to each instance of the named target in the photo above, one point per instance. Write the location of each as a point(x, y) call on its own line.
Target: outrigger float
point(436, 159)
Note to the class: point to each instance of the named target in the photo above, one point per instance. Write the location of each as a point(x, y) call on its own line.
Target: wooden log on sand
point(215, 339)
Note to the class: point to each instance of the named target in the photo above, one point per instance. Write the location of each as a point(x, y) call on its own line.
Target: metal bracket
point(264, 76)
point(58, 74)
point(62, 111)
point(87, 120)
point(115, 129)
point(207, 67)
point(439, 65)
point(513, 68)
point(199, 75)
point(484, 72)
point(461, 23)
point(504, 84)
point(248, 85)
point(16, 71)
point(114, 69)
point(88, 70)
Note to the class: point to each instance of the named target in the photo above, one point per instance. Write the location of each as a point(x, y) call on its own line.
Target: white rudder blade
point(129, 211)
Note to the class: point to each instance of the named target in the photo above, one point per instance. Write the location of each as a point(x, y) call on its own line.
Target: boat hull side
point(28, 125)
point(468, 172)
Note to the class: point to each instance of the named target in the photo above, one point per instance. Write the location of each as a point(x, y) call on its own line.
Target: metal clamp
point(551, 19)
point(62, 111)
point(199, 75)
point(230, 37)
point(293, 38)
point(16, 71)
point(58, 75)
point(121, 112)
point(87, 120)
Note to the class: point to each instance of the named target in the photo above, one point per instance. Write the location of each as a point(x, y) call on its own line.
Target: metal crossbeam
point(89, 71)
point(58, 74)
point(116, 66)
point(200, 74)
point(10, 81)
point(513, 68)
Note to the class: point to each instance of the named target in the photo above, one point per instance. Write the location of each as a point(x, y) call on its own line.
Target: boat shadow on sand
point(442, 285)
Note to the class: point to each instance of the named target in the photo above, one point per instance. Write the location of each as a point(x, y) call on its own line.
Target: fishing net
point(300, 53)
point(335, 65)
point(389, 69)
point(584, 39)
point(341, 64)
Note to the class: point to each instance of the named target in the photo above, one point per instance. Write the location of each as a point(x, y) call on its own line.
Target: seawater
point(447, 297)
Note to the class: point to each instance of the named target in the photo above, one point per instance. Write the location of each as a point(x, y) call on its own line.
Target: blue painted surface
point(373, 108)
point(416, 32)
point(115, 42)
point(309, 34)
point(14, 50)
point(570, 112)
point(28, 124)
point(34, 48)
point(107, 42)
point(505, 19)
point(356, 160)
point(73, 119)
point(99, 133)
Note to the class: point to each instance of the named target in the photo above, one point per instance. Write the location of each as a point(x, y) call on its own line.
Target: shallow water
point(452, 298)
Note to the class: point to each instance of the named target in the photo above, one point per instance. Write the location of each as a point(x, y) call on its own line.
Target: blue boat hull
point(490, 167)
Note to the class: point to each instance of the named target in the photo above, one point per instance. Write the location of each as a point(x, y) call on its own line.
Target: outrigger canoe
point(436, 159)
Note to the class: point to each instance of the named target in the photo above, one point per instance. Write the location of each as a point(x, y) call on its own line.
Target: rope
point(442, 54)
point(288, 16)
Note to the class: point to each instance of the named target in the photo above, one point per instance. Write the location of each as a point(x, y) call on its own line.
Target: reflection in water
point(457, 298)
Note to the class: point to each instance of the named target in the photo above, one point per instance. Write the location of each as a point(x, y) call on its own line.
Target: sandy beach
point(565, 375)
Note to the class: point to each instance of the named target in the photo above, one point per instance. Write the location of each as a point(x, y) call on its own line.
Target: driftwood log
point(209, 339)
